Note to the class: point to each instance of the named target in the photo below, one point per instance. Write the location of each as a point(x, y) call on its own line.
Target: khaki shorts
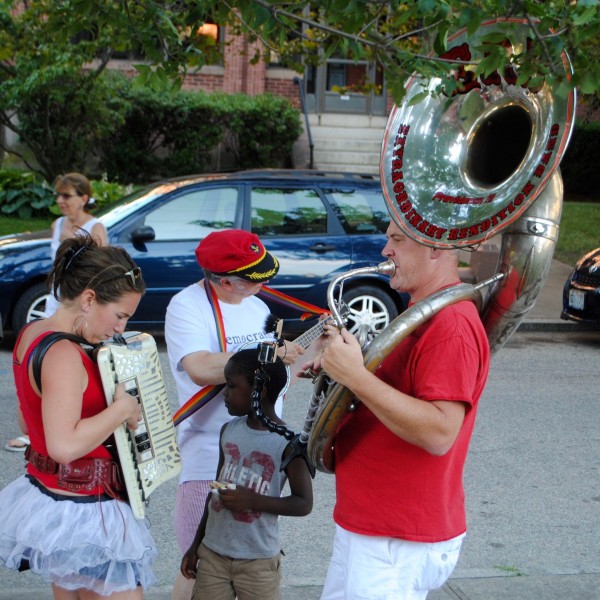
point(223, 578)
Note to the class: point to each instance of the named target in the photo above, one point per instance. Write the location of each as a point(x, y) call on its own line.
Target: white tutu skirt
point(96, 545)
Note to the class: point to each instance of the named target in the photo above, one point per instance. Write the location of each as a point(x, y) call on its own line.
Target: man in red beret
point(205, 324)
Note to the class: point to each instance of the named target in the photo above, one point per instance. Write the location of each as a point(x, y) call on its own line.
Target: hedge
point(169, 135)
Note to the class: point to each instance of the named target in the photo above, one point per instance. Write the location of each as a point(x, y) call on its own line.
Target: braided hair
point(246, 363)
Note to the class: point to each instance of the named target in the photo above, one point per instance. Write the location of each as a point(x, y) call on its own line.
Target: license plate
point(576, 298)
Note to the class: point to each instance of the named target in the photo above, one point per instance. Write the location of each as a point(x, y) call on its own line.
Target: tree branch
point(263, 41)
point(532, 24)
point(384, 45)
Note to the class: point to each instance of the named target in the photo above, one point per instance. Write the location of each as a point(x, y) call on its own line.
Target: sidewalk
point(545, 314)
point(579, 586)
point(510, 587)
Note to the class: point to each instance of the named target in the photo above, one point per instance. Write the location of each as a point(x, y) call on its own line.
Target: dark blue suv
point(317, 224)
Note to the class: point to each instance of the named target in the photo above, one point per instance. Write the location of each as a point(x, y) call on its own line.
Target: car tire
point(29, 306)
point(370, 309)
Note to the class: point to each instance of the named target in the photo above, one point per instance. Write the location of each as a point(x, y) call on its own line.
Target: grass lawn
point(9, 224)
point(579, 231)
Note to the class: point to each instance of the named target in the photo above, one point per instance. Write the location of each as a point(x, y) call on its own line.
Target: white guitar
point(304, 340)
point(273, 324)
point(312, 334)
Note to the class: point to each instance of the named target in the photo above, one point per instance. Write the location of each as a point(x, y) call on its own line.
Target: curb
point(555, 325)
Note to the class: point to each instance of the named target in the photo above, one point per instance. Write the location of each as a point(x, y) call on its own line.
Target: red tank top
point(31, 408)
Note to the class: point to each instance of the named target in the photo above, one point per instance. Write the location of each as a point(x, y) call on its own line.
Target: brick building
point(344, 125)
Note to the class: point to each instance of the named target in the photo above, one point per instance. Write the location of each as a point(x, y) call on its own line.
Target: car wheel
point(30, 306)
point(370, 310)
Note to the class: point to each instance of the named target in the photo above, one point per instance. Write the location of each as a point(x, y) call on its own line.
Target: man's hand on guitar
point(311, 369)
point(289, 352)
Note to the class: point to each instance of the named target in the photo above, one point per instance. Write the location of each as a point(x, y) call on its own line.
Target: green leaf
point(417, 98)
point(494, 61)
point(587, 16)
point(589, 82)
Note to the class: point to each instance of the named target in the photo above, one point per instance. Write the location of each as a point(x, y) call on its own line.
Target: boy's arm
point(300, 483)
point(189, 562)
point(297, 504)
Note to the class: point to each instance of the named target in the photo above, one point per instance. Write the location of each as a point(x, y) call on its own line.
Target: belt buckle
point(50, 464)
point(45, 464)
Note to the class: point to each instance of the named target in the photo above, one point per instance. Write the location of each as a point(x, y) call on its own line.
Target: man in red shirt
point(399, 457)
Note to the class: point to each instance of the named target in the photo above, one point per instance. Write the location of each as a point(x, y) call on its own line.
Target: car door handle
point(320, 247)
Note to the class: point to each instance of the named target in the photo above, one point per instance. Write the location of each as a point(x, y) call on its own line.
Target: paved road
point(532, 482)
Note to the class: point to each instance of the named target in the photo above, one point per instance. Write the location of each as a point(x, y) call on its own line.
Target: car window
point(360, 211)
point(195, 214)
point(280, 211)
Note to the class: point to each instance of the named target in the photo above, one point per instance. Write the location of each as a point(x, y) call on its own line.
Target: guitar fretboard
point(309, 336)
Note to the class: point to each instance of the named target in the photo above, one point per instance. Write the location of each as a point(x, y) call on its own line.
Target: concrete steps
point(344, 143)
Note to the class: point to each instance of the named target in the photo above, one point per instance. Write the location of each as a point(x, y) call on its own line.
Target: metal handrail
point(298, 81)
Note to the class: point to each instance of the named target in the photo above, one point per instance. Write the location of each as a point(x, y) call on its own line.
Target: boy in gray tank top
point(236, 551)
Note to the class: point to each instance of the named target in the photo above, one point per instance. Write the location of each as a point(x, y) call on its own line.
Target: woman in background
point(75, 200)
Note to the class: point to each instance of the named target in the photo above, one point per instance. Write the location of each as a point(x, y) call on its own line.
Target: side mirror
point(142, 234)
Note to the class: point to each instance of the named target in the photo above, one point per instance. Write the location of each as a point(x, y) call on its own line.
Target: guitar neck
point(309, 336)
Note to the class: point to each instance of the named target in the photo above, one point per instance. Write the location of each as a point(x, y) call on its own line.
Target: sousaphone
point(457, 170)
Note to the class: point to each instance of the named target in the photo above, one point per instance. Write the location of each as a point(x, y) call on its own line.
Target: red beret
point(236, 252)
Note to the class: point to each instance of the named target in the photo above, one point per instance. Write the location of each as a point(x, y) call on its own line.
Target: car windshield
point(133, 202)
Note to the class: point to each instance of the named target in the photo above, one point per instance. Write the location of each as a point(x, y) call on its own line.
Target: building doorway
point(342, 85)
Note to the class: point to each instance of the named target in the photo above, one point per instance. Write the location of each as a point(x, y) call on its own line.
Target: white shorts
point(382, 568)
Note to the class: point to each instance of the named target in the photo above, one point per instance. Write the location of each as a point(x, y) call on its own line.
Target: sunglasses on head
point(134, 276)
